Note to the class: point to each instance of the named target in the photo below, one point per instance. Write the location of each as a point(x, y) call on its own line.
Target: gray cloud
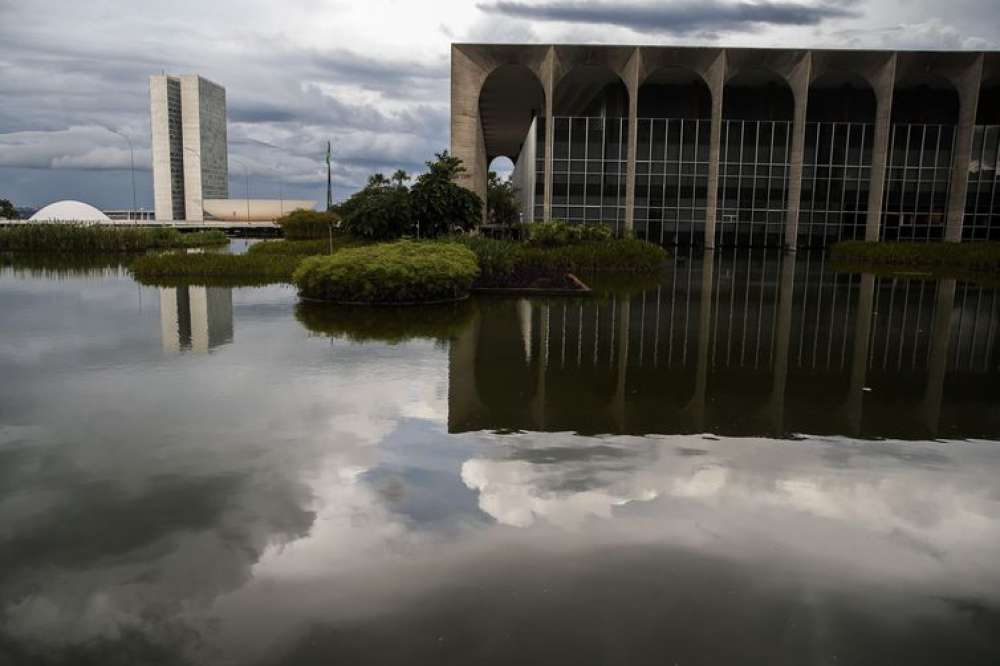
point(676, 18)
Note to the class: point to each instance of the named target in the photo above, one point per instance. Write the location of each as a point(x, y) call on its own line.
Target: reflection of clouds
point(907, 517)
point(290, 428)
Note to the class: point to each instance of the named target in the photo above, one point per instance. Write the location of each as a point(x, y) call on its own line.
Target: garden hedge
point(400, 272)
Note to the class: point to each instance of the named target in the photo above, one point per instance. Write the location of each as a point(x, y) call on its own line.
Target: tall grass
point(969, 257)
point(101, 239)
point(232, 269)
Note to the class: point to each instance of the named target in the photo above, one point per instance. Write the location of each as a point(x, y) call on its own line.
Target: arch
point(988, 109)
point(502, 165)
point(590, 146)
point(841, 96)
point(925, 99)
point(511, 97)
point(674, 92)
point(758, 107)
point(591, 90)
point(982, 212)
point(757, 94)
point(672, 153)
point(925, 108)
point(837, 159)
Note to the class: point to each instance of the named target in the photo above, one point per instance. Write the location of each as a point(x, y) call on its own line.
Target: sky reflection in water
point(206, 475)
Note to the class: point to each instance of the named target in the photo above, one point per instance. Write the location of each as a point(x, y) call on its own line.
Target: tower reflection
point(195, 318)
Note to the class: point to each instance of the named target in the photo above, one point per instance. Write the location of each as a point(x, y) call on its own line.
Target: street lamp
point(246, 173)
point(131, 158)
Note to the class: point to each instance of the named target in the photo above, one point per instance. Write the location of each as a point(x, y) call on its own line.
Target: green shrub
point(400, 272)
point(360, 323)
point(504, 263)
point(974, 256)
point(308, 224)
point(49, 237)
point(246, 268)
point(558, 233)
point(305, 247)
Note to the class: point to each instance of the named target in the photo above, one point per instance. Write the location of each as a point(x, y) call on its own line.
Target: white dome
point(69, 211)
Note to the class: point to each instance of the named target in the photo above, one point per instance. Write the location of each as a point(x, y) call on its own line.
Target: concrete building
point(189, 145)
point(737, 146)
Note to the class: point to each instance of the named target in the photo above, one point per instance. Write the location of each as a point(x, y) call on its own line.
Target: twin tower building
point(189, 144)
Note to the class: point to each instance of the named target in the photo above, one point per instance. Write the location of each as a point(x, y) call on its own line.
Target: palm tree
point(377, 180)
point(400, 177)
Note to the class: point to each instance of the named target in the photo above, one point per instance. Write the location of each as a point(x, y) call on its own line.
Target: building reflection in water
point(195, 318)
point(748, 343)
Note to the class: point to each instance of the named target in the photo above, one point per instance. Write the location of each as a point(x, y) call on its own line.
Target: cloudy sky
point(371, 76)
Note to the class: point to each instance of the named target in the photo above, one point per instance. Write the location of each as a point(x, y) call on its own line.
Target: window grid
point(836, 174)
point(917, 182)
point(753, 182)
point(982, 210)
point(671, 179)
point(588, 170)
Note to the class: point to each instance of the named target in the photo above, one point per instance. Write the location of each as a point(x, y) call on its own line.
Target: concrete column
point(696, 408)
point(716, 84)
point(937, 365)
point(632, 84)
point(624, 333)
point(968, 101)
point(883, 86)
point(799, 82)
point(549, 84)
point(467, 142)
point(859, 354)
point(782, 340)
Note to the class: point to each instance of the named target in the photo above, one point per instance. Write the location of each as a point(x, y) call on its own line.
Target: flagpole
point(329, 192)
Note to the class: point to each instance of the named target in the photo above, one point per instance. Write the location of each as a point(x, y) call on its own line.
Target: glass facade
point(176, 149)
point(539, 170)
point(917, 182)
point(753, 182)
point(671, 179)
point(982, 207)
point(588, 170)
point(836, 173)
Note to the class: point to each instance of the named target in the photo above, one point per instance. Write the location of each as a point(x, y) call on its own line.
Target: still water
point(752, 460)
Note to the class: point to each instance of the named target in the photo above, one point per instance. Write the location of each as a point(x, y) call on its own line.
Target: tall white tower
point(190, 153)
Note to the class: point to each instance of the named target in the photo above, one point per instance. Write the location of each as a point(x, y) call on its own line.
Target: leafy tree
point(381, 211)
point(502, 206)
point(7, 211)
point(438, 204)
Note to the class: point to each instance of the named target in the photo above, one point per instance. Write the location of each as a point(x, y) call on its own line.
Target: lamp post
point(246, 174)
point(131, 158)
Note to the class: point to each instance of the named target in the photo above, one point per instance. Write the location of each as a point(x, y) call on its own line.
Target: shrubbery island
point(400, 272)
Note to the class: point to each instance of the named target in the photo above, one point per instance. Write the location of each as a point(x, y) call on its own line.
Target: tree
point(502, 206)
point(7, 210)
point(380, 211)
point(438, 204)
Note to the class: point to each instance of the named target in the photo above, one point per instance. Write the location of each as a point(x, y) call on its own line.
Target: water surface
point(751, 460)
